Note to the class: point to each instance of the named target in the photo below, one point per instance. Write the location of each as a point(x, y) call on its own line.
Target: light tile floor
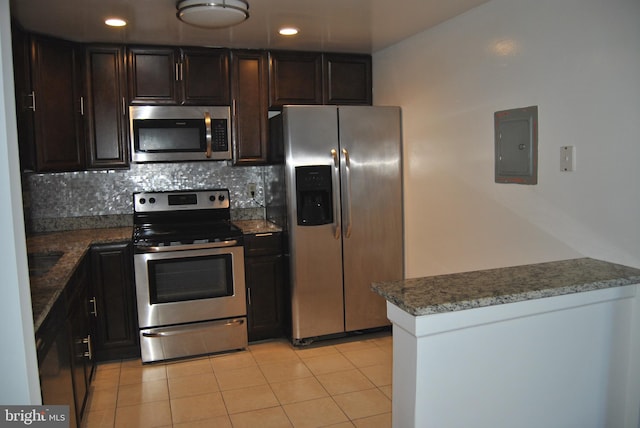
point(338, 383)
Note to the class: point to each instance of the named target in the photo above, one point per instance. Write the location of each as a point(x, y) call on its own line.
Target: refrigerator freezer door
point(370, 139)
point(310, 133)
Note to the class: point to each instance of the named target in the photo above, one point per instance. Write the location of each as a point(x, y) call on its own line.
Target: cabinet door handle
point(94, 312)
point(249, 296)
point(81, 106)
point(124, 107)
point(32, 95)
point(89, 353)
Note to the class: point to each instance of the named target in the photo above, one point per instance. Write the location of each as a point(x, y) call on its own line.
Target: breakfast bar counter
point(552, 344)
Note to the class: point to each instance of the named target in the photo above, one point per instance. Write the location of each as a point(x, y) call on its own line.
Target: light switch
point(567, 158)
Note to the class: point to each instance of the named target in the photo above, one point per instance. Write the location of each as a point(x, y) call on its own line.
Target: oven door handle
point(166, 333)
point(221, 244)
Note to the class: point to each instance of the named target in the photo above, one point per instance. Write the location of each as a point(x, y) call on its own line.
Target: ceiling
point(363, 26)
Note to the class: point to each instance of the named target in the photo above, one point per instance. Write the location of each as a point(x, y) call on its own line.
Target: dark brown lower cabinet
point(53, 343)
point(93, 320)
point(113, 302)
point(82, 361)
point(64, 348)
point(264, 278)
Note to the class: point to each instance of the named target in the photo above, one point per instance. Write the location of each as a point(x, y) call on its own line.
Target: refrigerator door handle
point(347, 163)
point(336, 178)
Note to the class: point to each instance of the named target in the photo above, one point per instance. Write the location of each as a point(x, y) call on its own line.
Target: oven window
point(192, 278)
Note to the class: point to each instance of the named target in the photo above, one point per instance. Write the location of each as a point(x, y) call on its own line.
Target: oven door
point(190, 285)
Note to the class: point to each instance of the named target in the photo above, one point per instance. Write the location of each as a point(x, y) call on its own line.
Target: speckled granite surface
point(257, 226)
point(467, 290)
point(60, 224)
point(45, 289)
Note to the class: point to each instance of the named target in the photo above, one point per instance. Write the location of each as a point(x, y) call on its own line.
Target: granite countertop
point(467, 290)
point(46, 288)
point(257, 226)
point(73, 244)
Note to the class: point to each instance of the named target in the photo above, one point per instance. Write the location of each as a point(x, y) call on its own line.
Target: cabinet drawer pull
point(264, 234)
point(94, 312)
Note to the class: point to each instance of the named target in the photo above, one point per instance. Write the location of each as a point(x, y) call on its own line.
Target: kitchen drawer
point(260, 244)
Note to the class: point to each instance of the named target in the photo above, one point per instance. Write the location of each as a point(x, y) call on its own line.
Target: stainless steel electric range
point(189, 274)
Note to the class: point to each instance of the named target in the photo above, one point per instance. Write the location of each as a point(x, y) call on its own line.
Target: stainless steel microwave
point(180, 133)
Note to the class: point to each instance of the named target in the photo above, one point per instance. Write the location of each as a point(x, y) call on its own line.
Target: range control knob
point(221, 198)
point(212, 198)
point(142, 201)
point(152, 200)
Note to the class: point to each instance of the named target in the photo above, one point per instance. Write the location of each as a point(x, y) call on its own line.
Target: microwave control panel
point(219, 137)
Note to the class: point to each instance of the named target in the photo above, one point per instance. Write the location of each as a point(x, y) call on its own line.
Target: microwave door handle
point(207, 126)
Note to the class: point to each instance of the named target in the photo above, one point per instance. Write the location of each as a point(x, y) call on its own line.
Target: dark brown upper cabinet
point(72, 100)
point(153, 75)
point(22, 84)
point(106, 107)
point(205, 76)
point(347, 79)
point(295, 78)
point(169, 75)
point(249, 91)
point(54, 106)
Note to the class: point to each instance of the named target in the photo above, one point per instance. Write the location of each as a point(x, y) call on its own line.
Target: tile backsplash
point(71, 200)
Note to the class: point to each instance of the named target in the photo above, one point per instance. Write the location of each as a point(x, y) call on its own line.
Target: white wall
point(579, 62)
point(18, 363)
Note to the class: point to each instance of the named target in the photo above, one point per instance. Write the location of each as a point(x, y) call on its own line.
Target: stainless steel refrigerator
point(343, 175)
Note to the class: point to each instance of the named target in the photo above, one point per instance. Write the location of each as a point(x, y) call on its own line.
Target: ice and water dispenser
point(314, 195)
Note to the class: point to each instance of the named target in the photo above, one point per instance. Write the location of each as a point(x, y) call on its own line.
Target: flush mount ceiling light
point(212, 13)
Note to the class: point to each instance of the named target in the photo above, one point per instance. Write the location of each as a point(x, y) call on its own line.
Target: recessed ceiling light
point(288, 31)
point(115, 22)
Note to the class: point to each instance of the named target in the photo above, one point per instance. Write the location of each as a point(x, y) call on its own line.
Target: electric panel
point(516, 145)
